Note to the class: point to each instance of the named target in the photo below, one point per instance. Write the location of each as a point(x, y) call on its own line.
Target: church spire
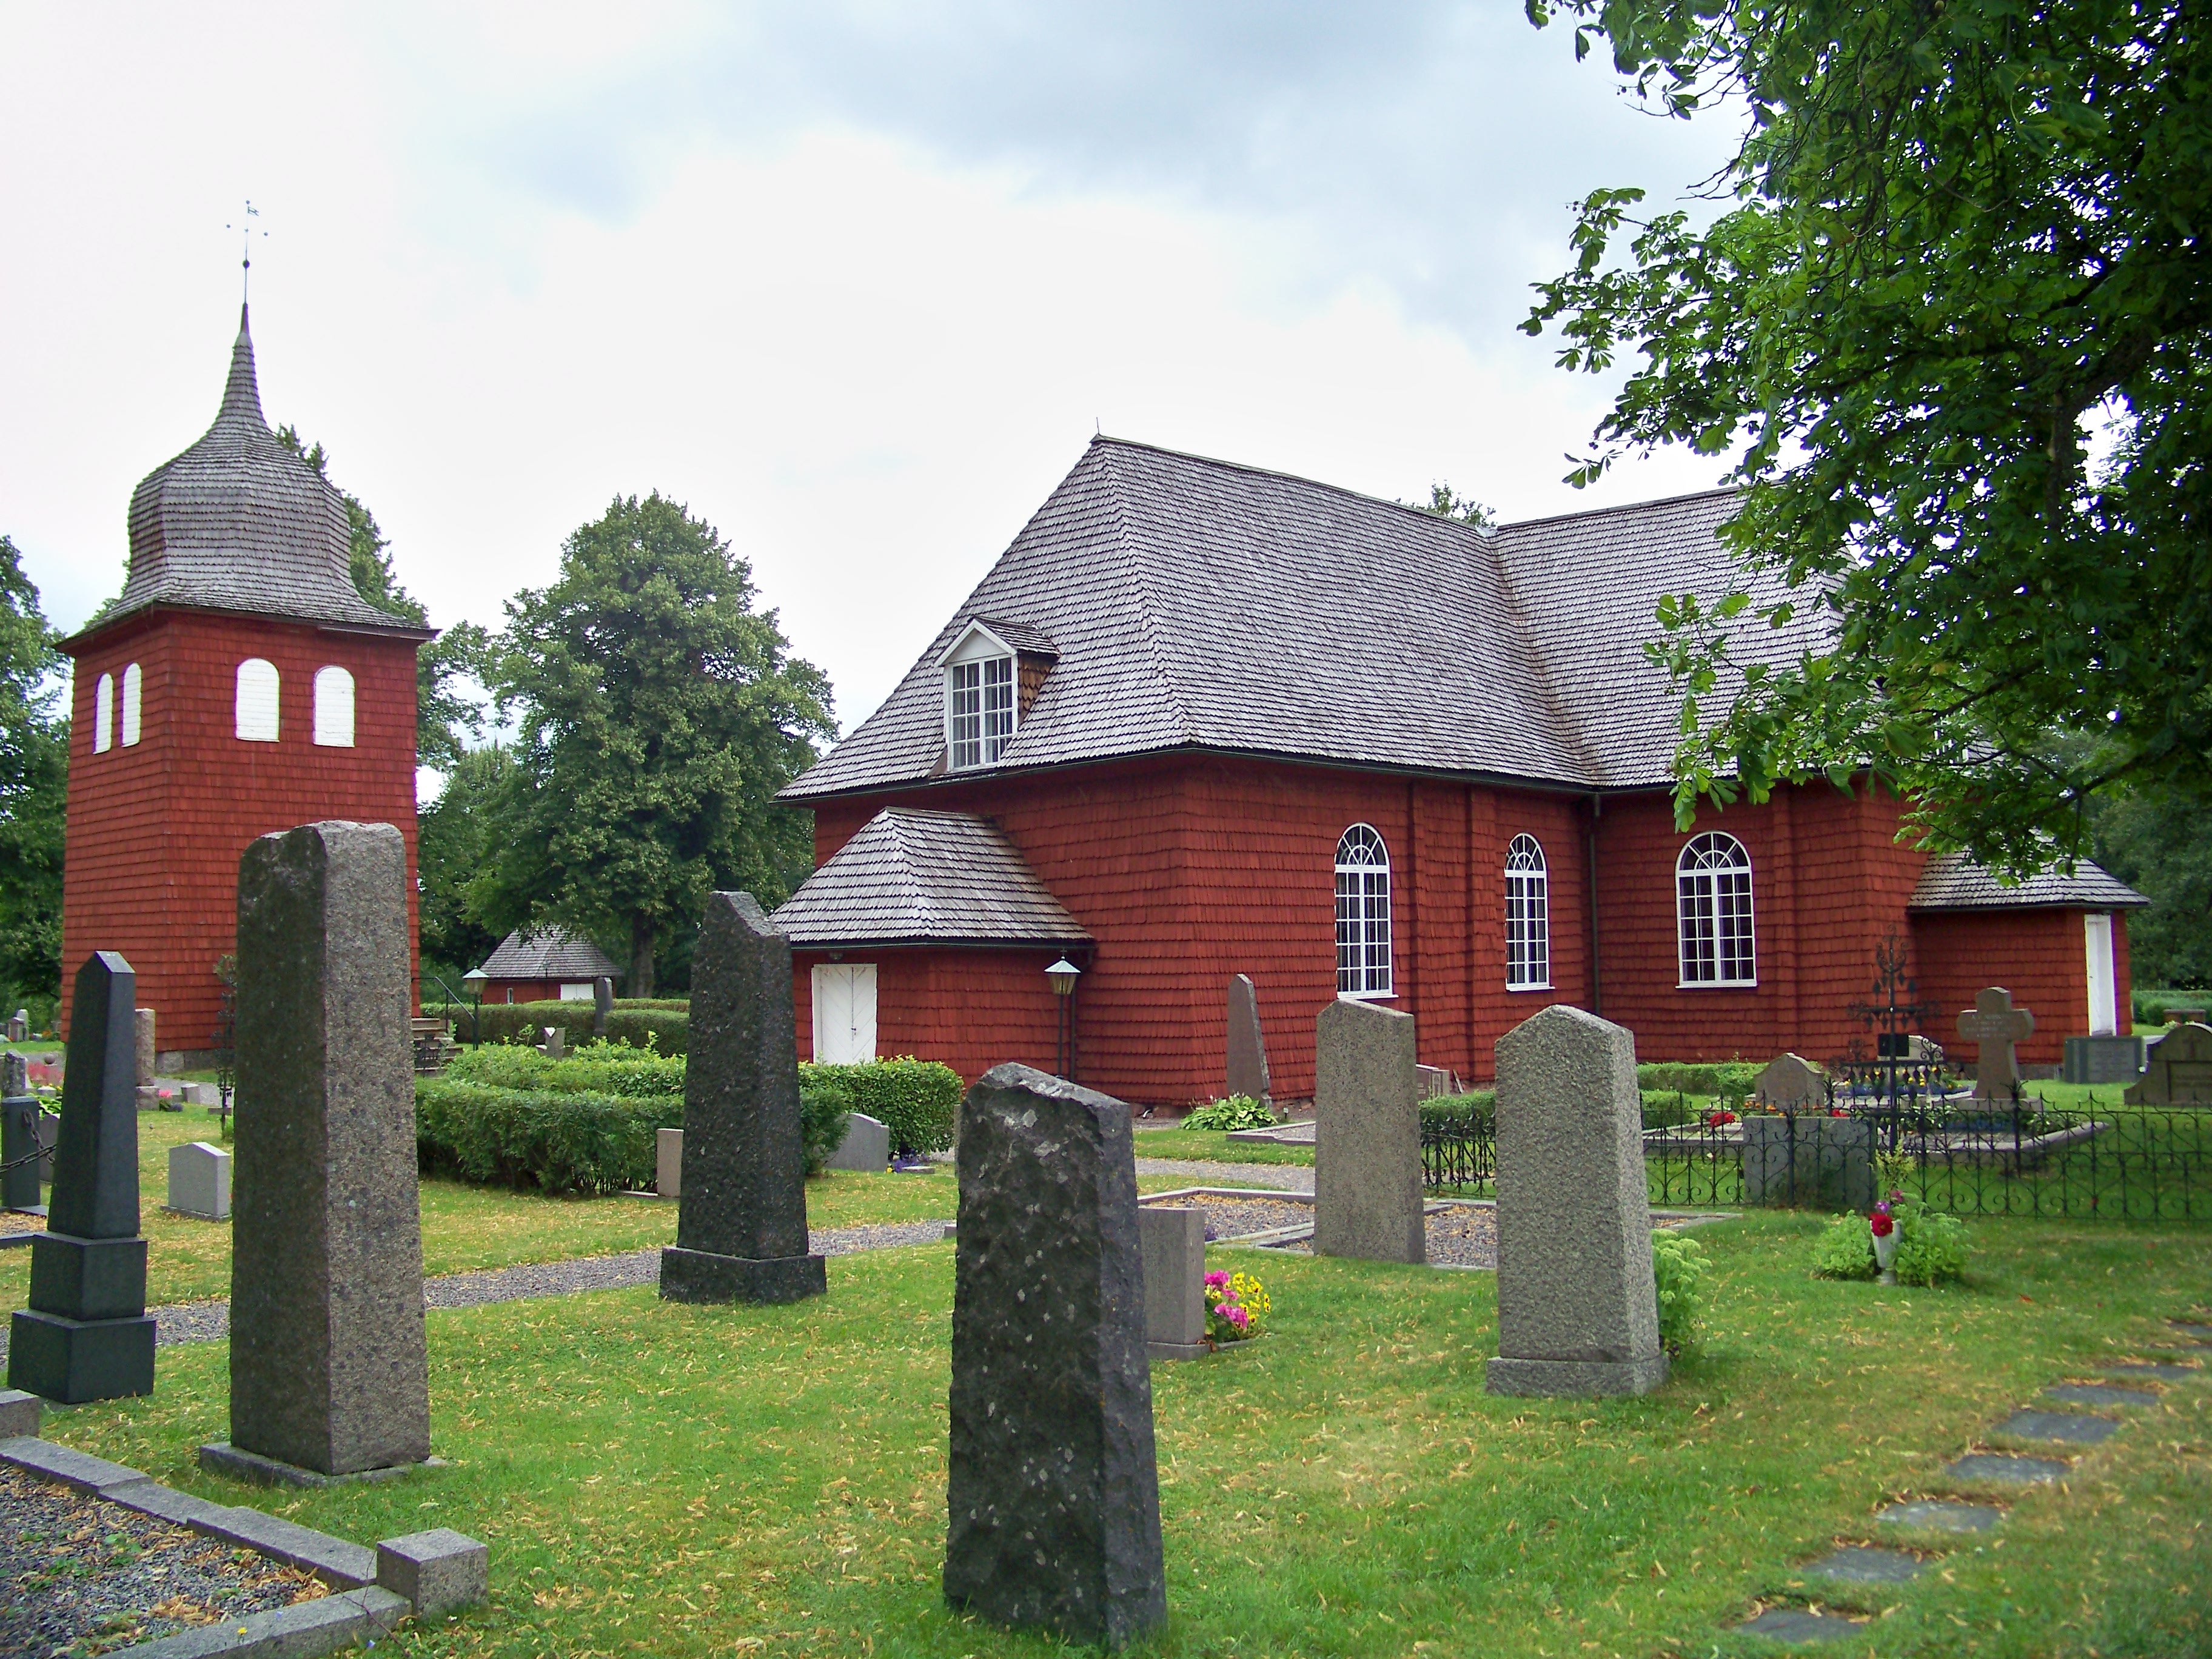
point(241, 396)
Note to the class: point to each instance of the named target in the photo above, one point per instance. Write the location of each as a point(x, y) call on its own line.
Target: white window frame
point(103, 714)
point(251, 730)
point(573, 991)
point(1715, 931)
point(334, 705)
point(982, 698)
point(1527, 916)
point(1364, 946)
point(133, 685)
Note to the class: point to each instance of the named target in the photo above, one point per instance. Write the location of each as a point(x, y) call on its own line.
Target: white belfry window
point(1713, 911)
point(132, 680)
point(333, 709)
point(1528, 917)
point(103, 714)
point(1362, 913)
point(257, 701)
point(979, 700)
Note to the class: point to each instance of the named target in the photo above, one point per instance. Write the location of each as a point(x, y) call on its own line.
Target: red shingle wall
point(971, 1009)
point(2041, 956)
point(155, 831)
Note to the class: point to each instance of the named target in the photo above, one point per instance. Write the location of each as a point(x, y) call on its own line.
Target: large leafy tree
point(659, 714)
point(455, 850)
point(2155, 840)
point(1954, 307)
point(34, 787)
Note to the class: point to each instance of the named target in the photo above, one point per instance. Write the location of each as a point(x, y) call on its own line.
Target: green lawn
point(675, 1480)
point(1214, 1146)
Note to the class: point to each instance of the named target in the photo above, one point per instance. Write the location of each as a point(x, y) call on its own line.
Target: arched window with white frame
point(131, 681)
point(1362, 913)
point(333, 707)
point(103, 714)
point(258, 687)
point(1528, 917)
point(1713, 911)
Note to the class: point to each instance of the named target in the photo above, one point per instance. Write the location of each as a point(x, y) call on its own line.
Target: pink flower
point(1237, 1316)
point(1215, 1282)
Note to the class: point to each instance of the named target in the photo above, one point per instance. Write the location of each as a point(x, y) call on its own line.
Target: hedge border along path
point(210, 1321)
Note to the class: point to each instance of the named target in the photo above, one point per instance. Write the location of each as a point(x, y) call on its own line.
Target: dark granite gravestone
point(85, 1335)
point(1054, 1487)
point(741, 1223)
point(329, 1374)
point(1808, 1158)
point(602, 1005)
point(19, 1135)
point(1248, 1045)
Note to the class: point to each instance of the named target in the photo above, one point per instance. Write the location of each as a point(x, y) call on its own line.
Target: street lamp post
point(1062, 975)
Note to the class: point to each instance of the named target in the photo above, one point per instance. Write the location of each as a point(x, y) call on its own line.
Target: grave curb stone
point(436, 1570)
point(19, 1415)
point(300, 1631)
point(221, 1457)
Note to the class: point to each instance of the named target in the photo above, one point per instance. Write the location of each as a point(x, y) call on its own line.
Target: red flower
point(1881, 1224)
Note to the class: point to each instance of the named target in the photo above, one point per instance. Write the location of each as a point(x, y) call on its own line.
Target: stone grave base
point(1575, 1378)
point(76, 1361)
point(1159, 1351)
point(222, 1458)
point(703, 1276)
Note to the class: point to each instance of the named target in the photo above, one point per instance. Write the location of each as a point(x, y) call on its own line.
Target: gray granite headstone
point(143, 1035)
point(1790, 1083)
point(199, 1180)
point(1808, 1158)
point(2102, 1060)
point(2176, 1069)
point(19, 1026)
point(741, 1231)
point(85, 1335)
point(328, 1368)
point(603, 1005)
point(1577, 1307)
point(1996, 1025)
point(1173, 1241)
point(15, 1074)
point(1248, 1045)
point(1054, 1486)
point(555, 1045)
point(19, 1138)
point(668, 1162)
point(1367, 1135)
point(866, 1144)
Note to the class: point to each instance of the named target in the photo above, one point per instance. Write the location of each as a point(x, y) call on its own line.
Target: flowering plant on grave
point(1719, 1118)
point(1881, 1222)
point(1236, 1305)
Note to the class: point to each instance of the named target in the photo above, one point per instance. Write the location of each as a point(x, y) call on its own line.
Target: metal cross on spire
point(246, 234)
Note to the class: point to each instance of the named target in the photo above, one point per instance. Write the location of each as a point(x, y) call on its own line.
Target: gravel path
point(1239, 1217)
point(1283, 1177)
point(78, 1576)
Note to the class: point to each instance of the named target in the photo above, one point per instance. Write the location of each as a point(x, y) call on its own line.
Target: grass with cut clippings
point(671, 1481)
point(1214, 1146)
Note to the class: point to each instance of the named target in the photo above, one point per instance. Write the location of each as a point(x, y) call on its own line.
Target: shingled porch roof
point(1952, 881)
point(912, 877)
point(548, 954)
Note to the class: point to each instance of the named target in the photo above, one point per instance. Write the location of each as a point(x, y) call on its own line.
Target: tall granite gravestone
point(2176, 1069)
point(143, 1034)
point(1577, 1310)
point(603, 1005)
point(329, 1374)
point(1996, 1025)
point(1367, 1135)
point(1790, 1084)
point(1248, 1045)
point(1054, 1487)
point(19, 1135)
point(85, 1335)
point(741, 1226)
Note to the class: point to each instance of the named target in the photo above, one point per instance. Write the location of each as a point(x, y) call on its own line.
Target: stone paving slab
point(1800, 1628)
point(1861, 1564)
point(2195, 1333)
point(1931, 1514)
point(2003, 1470)
point(2075, 1428)
point(2098, 1393)
point(2163, 1372)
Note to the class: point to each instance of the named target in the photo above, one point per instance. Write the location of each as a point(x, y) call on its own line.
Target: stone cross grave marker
point(1173, 1241)
point(741, 1226)
point(199, 1180)
point(85, 1335)
point(1996, 1025)
point(1248, 1045)
point(329, 1373)
point(1053, 1485)
point(1790, 1083)
point(1367, 1135)
point(602, 1005)
point(1577, 1310)
point(2176, 1069)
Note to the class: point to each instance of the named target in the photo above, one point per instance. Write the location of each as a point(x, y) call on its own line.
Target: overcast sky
point(854, 281)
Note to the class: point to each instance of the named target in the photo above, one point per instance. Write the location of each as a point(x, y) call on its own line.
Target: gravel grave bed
point(14, 1221)
point(1283, 1177)
point(80, 1576)
point(1459, 1236)
point(1236, 1218)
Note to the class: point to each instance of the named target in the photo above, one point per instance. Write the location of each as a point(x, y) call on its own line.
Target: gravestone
point(1808, 1158)
point(1790, 1084)
point(1367, 1135)
point(1174, 1244)
point(2102, 1060)
point(866, 1144)
point(668, 1162)
point(2176, 1069)
point(603, 1005)
point(1053, 1486)
point(19, 1135)
point(1248, 1045)
point(328, 1369)
point(19, 1026)
point(555, 1045)
point(1995, 1024)
point(199, 1180)
point(143, 1035)
point(85, 1335)
point(741, 1231)
point(2184, 1017)
point(1578, 1308)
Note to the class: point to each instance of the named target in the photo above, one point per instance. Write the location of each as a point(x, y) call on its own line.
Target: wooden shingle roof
point(918, 878)
point(550, 953)
point(1952, 881)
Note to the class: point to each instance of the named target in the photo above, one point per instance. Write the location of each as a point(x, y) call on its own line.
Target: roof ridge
point(1539, 664)
point(1622, 507)
point(1147, 622)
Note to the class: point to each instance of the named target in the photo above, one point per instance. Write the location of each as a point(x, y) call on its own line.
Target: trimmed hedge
point(1474, 1113)
point(666, 1030)
point(918, 1100)
point(597, 1068)
point(559, 1142)
point(1729, 1080)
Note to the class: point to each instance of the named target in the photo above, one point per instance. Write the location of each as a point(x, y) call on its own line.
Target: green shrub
point(559, 1142)
point(604, 1068)
point(1931, 1245)
point(1728, 1079)
point(1236, 1112)
point(1474, 1113)
point(1679, 1268)
point(822, 1116)
point(1845, 1249)
point(917, 1100)
point(665, 1029)
point(665, 1005)
point(1668, 1108)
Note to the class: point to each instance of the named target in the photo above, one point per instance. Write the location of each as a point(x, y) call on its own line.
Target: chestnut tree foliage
point(1954, 309)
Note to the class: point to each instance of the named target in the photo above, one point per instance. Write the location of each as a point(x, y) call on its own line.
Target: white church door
point(845, 1013)
point(2104, 999)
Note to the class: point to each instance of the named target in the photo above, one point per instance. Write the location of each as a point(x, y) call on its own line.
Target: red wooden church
point(239, 684)
point(1201, 719)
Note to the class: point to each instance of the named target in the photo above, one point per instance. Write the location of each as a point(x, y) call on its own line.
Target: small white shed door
point(2104, 1010)
point(845, 1013)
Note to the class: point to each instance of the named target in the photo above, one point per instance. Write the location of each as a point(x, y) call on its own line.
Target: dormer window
point(990, 681)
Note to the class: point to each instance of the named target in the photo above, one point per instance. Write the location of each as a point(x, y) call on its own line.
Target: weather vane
point(246, 234)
